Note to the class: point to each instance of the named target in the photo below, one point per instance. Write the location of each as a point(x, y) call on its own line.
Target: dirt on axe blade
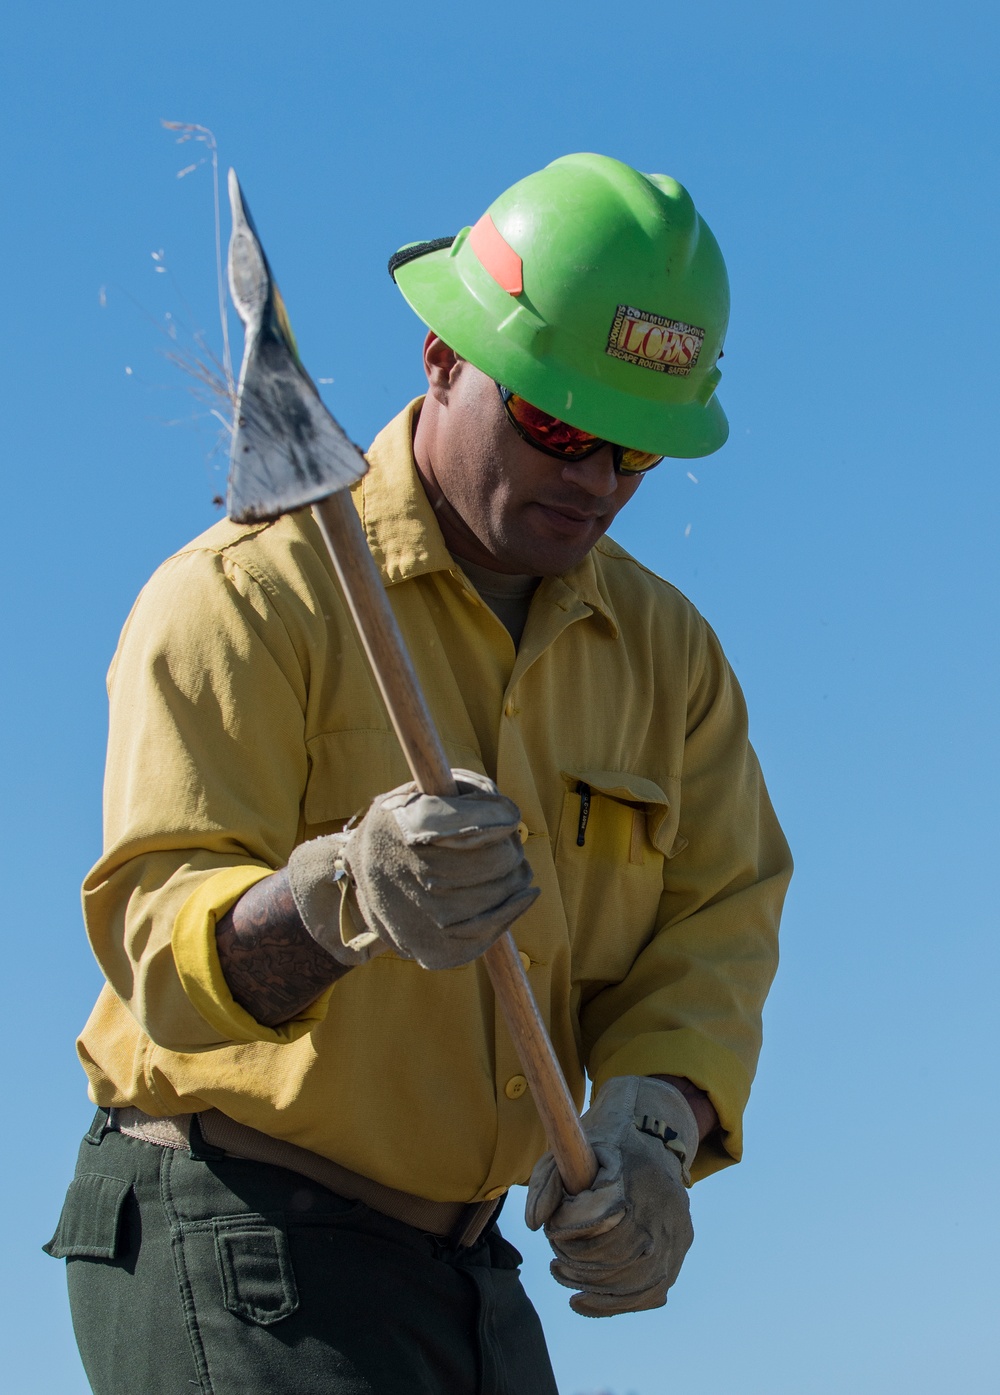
point(287, 453)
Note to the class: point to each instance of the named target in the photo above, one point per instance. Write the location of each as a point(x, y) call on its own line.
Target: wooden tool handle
point(397, 680)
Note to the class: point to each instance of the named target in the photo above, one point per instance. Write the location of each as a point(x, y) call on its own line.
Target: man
point(308, 1109)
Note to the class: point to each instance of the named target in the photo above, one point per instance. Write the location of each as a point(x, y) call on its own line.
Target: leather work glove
point(437, 878)
point(622, 1242)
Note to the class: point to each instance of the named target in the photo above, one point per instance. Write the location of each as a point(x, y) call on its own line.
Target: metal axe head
point(287, 450)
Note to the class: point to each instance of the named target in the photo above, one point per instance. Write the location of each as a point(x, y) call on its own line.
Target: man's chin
point(544, 558)
point(558, 541)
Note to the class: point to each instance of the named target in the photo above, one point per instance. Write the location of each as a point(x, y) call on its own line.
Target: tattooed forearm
point(273, 966)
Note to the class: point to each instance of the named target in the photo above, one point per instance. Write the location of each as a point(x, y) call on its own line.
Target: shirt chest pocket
point(348, 768)
point(615, 833)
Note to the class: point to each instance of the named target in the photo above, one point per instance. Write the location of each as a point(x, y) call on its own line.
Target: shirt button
point(515, 1087)
point(510, 707)
point(495, 1193)
point(525, 961)
point(522, 831)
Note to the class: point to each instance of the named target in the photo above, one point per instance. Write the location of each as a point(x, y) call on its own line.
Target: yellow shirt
point(244, 720)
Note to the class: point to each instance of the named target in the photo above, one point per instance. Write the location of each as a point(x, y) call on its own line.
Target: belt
point(461, 1223)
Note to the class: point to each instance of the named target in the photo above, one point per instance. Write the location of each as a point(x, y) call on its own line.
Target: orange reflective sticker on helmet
point(651, 341)
point(497, 255)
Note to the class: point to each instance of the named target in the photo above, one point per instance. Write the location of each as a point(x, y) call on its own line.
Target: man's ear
point(441, 364)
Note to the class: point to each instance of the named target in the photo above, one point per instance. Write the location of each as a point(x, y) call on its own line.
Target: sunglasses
point(565, 442)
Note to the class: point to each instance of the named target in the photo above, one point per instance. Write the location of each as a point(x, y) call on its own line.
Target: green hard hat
point(595, 292)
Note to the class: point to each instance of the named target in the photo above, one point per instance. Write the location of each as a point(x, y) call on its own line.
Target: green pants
point(191, 1271)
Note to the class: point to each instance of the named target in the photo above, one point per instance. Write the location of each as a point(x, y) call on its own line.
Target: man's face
point(500, 502)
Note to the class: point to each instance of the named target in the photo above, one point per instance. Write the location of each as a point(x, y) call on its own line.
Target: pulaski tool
point(289, 453)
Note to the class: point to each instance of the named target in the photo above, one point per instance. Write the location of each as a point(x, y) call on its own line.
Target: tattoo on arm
point(273, 966)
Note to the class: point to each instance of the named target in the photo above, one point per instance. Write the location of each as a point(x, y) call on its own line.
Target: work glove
point(622, 1242)
point(437, 878)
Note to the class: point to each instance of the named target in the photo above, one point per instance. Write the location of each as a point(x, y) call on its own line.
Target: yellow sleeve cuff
point(199, 969)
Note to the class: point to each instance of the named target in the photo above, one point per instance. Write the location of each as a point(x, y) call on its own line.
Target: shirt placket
point(517, 1118)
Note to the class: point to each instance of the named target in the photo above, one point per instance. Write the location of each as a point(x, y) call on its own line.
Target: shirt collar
point(403, 532)
point(398, 519)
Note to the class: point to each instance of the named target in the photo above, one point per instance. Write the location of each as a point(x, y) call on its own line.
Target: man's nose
point(595, 473)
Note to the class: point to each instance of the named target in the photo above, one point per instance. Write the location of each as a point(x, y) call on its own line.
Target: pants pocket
point(90, 1224)
point(255, 1268)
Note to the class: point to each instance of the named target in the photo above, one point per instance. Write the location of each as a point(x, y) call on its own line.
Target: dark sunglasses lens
point(559, 438)
point(549, 432)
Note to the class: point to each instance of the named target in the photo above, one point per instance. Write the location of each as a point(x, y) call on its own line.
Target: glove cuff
point(322, 890)
point(652, 1107)
point(662, 1112)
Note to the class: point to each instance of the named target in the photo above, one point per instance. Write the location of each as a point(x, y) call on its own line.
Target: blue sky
point(843, 544)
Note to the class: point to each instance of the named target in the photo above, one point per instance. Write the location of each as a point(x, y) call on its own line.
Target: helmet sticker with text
point(651, 341)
